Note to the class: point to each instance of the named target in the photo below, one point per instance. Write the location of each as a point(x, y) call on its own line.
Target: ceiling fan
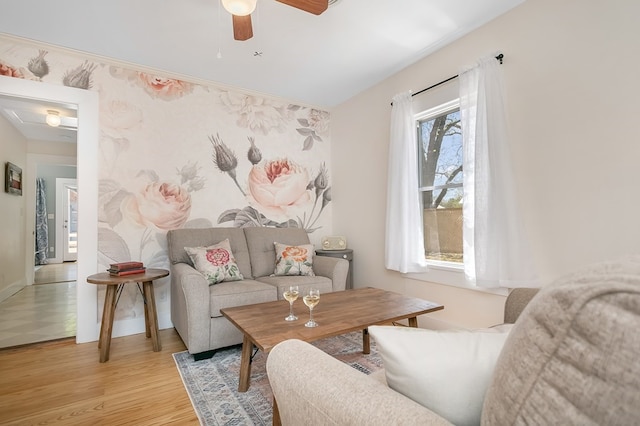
point(241, 11)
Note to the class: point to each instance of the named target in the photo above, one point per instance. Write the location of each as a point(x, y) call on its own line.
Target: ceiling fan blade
point(312, 6)
point(242, 29)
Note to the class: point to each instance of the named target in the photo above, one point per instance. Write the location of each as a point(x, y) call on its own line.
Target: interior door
point(70, 227)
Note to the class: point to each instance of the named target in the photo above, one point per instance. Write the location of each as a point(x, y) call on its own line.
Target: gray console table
point(343, 254)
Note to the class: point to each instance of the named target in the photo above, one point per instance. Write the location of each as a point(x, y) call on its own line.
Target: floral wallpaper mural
point(278, 188)
point(177, 154)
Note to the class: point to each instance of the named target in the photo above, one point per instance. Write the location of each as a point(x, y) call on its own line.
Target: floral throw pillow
point(215, 262)
point(294, 260)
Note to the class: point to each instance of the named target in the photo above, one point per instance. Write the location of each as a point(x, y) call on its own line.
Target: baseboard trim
point(12, 289)
point(130, 326)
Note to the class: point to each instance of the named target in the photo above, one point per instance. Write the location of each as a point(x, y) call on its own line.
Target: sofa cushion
point(216, 263)
point(260, 245)
point(572, 356)
point(178, 239)
point(304, 283)
point(445, 371)
point(293, 260)
point(239, 293)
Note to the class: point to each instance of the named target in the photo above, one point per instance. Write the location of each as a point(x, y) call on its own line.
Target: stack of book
point(126, 268)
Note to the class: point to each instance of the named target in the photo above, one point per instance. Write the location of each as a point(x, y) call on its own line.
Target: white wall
point(572, 71)
point(52, 148)
point(13, 148)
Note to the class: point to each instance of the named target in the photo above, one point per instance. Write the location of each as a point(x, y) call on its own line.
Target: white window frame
point(427, 115)
point(447, 273)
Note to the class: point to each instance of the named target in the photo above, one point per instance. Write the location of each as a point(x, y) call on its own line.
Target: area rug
point(212, 384)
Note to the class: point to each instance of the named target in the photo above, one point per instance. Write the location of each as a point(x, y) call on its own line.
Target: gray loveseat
point(195, 305)
point(570, 359)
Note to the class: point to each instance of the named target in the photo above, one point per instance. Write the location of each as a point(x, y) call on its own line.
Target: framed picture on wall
point(13, 179)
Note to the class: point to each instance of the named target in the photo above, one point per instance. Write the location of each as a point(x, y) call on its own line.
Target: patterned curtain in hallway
point(42, 228)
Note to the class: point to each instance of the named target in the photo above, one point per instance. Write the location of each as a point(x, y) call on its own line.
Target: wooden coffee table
point(341, 312)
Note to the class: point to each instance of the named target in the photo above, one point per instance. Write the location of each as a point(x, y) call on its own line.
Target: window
point(440, 181)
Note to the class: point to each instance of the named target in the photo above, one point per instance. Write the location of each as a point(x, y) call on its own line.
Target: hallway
point(43, 311)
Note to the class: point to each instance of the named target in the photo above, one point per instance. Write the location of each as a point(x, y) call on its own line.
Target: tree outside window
point(440, 168)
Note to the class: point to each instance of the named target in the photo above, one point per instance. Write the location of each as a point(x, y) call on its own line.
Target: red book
point(123, 266)
point(127, 272)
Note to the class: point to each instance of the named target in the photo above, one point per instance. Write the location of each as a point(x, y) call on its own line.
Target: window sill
point(452, 275)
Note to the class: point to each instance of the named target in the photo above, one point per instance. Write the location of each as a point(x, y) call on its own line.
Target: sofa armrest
point(333, 268)
point(517, 300)
point(334, 393)
point(190, 306)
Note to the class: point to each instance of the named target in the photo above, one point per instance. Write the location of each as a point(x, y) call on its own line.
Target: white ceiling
point(315, 60)
point(28, 116)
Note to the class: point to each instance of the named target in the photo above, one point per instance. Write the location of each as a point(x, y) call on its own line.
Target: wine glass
point(311, 300)
point(291, 294)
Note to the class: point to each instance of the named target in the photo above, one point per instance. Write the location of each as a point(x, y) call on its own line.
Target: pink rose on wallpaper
point(313, 127)
point(120, 115)
point(11, 71)
point(279, 185)
point(255, 113)
point(319, 121)
point(162, 87)
point(165, 205)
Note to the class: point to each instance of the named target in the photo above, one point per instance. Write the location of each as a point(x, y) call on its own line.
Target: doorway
point(67, 219)
point(46, 307)
point(70, 218)
point(87, 155)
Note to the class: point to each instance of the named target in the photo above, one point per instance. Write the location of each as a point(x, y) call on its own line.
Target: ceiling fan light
point(239, 7)
point(53, 118)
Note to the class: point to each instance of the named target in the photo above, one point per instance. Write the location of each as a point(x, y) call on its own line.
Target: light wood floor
point(56, 273)
point(63, 383)
point(43, 311)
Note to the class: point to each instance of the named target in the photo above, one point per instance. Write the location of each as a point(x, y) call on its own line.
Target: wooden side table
point(115, 285)
point(343, 254)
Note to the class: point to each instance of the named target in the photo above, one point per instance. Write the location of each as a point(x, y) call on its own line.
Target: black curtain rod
point(500, 57)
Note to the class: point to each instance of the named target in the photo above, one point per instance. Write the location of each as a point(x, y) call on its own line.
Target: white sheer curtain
point(404, 246)
point(496, 250)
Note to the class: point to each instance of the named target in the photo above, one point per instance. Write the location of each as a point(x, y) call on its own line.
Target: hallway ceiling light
point(53, 118)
